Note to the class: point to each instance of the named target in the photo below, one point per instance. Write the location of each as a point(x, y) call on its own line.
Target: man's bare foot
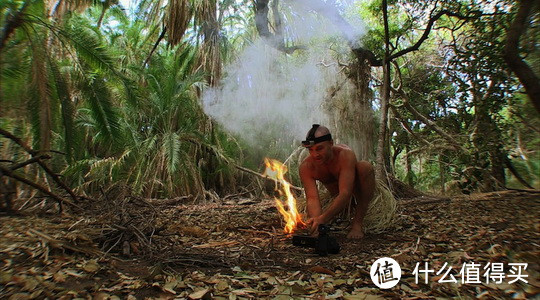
point(356, 233)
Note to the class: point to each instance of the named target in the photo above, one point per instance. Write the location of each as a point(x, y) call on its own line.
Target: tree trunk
point(380, 169)
point(442, 173)
point(211, 54)
point(486, 139)
point(408, 167)
point(526, 75)
point(354, 124)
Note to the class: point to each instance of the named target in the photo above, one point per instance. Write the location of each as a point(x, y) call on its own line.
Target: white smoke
point(267, 96)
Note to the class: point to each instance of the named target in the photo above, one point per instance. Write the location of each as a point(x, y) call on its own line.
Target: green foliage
point(459, 80)
point(119, 122)
point(125, 113)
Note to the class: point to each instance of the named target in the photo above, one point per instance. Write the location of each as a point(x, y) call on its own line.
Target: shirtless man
point(336, 167)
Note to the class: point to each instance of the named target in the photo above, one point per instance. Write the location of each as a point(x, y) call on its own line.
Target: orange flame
point(276, 170)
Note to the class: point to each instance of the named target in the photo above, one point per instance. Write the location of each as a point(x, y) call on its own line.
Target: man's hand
point(313, 225)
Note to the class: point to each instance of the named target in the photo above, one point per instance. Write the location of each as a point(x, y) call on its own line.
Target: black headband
point(312, 140)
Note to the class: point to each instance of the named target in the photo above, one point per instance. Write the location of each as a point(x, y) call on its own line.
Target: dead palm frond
point(179, 13)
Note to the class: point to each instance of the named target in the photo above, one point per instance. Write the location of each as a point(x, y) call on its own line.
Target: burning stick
point(276, 170)
point(265, 177)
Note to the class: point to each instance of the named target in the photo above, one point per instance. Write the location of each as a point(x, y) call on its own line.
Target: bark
point(432, 125)
point(39, 81)
point(60, 200)
point(525, 74)
point(354, 122)
point(487, 141)
point(265, 177)
point(179, 13)
point(442, 173)
point(100, 20)
point(426, 32)
point(385, 99)
point(407, 128)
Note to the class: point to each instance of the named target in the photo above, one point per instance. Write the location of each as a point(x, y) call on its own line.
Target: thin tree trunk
point(408, 166)
point(211, 54)
point(513, 170)
point(380, 169)
point(41, 97)
point(526, 75)
point(442, 173)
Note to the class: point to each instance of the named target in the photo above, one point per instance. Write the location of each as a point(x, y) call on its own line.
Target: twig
point(173, 201)
point(82, 219)
point(114, 245)
point(215, 244)
point(256, 231)
point(417, 243)
point(30, 161)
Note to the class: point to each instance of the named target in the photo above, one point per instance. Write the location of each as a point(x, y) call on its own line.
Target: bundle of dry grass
point(381, 211)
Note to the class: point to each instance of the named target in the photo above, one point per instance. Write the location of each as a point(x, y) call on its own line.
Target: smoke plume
point(269, 97)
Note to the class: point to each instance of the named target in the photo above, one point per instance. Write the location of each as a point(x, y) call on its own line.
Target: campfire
point(293, 219)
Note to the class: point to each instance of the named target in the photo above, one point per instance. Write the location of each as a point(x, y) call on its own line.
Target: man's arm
point(347, 174)
point(312, 193)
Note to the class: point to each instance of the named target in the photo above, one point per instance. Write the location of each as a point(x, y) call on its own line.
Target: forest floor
point(131, 248)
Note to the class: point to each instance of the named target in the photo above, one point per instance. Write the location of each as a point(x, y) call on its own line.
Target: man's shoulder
point(344, 153)
point(342, 147)
point(306, 166)
point(305, 163)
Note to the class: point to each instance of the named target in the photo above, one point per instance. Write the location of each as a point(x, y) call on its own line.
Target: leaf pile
point(236, 250)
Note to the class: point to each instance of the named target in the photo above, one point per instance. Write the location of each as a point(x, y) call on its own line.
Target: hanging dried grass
point(178, 15)
point(381, 211)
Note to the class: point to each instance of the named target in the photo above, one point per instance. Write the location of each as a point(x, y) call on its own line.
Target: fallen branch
point(266, 177)
point(215, 244)
point(9, 173)
point(64, 245)
point(173, 201)
point(256, 231)
point(37, 158)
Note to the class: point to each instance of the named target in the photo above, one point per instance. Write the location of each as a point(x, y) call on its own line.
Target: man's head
point(319, 143)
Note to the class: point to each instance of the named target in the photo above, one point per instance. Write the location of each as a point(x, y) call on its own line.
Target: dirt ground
point(131, 248)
